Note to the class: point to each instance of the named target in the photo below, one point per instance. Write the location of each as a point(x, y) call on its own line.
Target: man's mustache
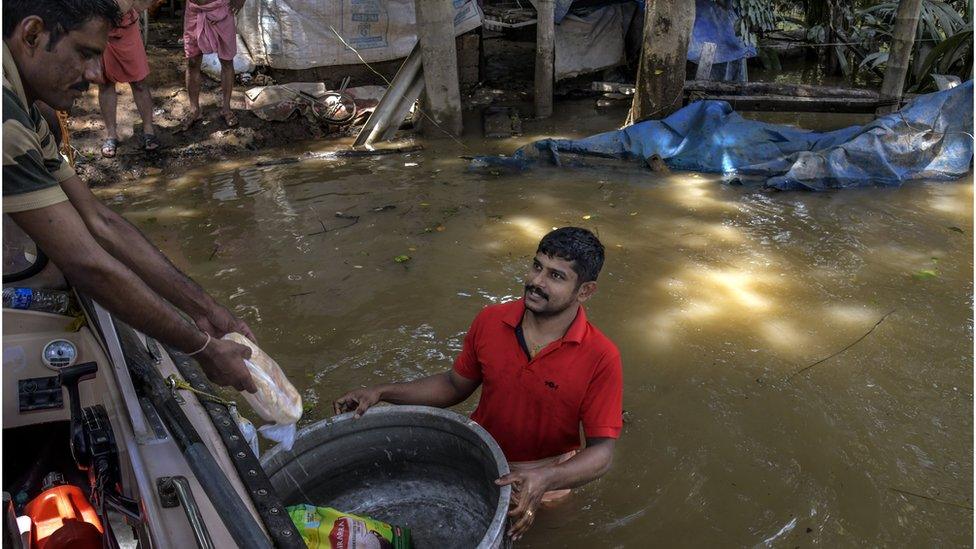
point(81, 86)
point(535, 289)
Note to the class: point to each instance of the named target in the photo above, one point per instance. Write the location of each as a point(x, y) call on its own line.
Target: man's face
point(552, 286)
point(59, 76)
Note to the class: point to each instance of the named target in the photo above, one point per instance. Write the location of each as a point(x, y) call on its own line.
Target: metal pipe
point(192, 511)
point(380, 118)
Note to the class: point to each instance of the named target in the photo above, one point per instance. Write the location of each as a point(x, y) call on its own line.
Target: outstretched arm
point(127, 244)
point(61, 234)
point(441, 390)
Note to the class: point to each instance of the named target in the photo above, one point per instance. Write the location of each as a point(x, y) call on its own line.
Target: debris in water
point(656, 164)
point(386, 208)
point(855, 342)
point(925, 274)
point(956, 230)
point(402, 258)
point(587, 216)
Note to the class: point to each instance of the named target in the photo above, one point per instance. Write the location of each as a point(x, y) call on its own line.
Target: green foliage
point(755, 18)
point(944, 40)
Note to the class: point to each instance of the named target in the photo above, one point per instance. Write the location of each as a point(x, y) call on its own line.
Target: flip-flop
point(230, 119)
point(150, 142)
point(110, 147)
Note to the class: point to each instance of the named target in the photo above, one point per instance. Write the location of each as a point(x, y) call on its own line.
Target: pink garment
point(552, 495)
point(124, 59)
point(209, 28)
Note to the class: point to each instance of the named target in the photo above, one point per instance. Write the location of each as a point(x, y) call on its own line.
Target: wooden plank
point(769, 88)
point(545, 48)
point(704, 71)
point(785, 103)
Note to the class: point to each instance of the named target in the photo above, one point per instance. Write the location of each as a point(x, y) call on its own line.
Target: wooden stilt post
point(435, 32)
point(545, 47)
point(661, 74)
point(902, 40)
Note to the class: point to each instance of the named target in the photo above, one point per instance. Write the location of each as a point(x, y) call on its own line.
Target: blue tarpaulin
point(930, 138)
point(714, 23)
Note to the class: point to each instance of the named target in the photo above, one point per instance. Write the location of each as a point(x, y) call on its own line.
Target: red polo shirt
point(534, 408)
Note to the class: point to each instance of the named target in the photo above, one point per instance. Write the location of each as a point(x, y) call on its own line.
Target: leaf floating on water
point(633, 213)
point(587, 216)
point(440, 228)
point(402, 258)
point(925, 274)
point(956, 230)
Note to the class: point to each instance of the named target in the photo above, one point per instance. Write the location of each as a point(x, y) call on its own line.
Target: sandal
point(188, 123)
point(230, 119)
point(150, 142)
point(109, 147)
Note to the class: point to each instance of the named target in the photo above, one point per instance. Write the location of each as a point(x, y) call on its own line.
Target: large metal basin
point(428, 469)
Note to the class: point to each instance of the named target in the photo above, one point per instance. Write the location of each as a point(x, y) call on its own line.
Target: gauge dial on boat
point(59, 353)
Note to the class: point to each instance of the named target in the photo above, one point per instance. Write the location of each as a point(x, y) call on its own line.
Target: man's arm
point(442, 390)
point(127, 244)
point(62, 235)
point(589, 464)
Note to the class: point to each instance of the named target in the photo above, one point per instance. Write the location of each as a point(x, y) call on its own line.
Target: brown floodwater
point(716, 295)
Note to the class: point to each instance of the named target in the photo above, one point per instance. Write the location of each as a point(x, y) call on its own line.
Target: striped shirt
point(32, 166)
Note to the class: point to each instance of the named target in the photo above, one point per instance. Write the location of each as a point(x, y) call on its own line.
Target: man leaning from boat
point(51, 51)
point(544, 371)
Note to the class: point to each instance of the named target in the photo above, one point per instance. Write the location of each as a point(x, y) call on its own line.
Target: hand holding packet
point(276, 399)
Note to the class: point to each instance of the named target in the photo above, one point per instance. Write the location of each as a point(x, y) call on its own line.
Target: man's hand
point(219, 322)
point(223, 362)
point(528, 489)
point(359, 400)
point(236, 5)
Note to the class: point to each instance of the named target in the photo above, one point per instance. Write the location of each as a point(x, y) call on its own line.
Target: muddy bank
point(212, 140)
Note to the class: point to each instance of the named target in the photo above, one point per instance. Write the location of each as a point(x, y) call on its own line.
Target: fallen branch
point(214, 252)
point(855, 342)
point(923, 496)
point(330, 194)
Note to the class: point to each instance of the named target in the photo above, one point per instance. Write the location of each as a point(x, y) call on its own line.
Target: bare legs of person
point(143, 98)
point(193, 91)
point(227, 86)
point(108, 101)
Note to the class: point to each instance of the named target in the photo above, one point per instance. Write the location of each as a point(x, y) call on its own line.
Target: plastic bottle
point(48, 301)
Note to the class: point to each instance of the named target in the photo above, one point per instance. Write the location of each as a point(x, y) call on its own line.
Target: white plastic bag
point(248, 430)
point(210, 65)
point(276, 400)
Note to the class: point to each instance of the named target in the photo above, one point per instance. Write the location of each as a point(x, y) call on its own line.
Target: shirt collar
point(574, 334)
point(11, 76)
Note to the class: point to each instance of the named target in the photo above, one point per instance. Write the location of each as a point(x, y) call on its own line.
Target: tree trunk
point(435, 33)
point(902, 39)
point(661, 74)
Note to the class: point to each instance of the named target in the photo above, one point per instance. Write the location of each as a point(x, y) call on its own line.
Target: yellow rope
point(175, 383)
point(66, 149)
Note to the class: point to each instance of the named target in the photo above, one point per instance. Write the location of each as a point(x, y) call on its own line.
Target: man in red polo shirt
point(544, 371)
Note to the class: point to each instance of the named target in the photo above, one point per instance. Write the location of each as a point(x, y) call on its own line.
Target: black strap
point(283, 532)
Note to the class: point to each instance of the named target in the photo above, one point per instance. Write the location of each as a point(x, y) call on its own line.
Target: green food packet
point(328, 528)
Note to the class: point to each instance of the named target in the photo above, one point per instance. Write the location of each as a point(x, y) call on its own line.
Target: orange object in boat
point(64, 510)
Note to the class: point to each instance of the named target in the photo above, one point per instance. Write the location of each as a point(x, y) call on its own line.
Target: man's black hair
point(578, 245)
point(60, 16)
